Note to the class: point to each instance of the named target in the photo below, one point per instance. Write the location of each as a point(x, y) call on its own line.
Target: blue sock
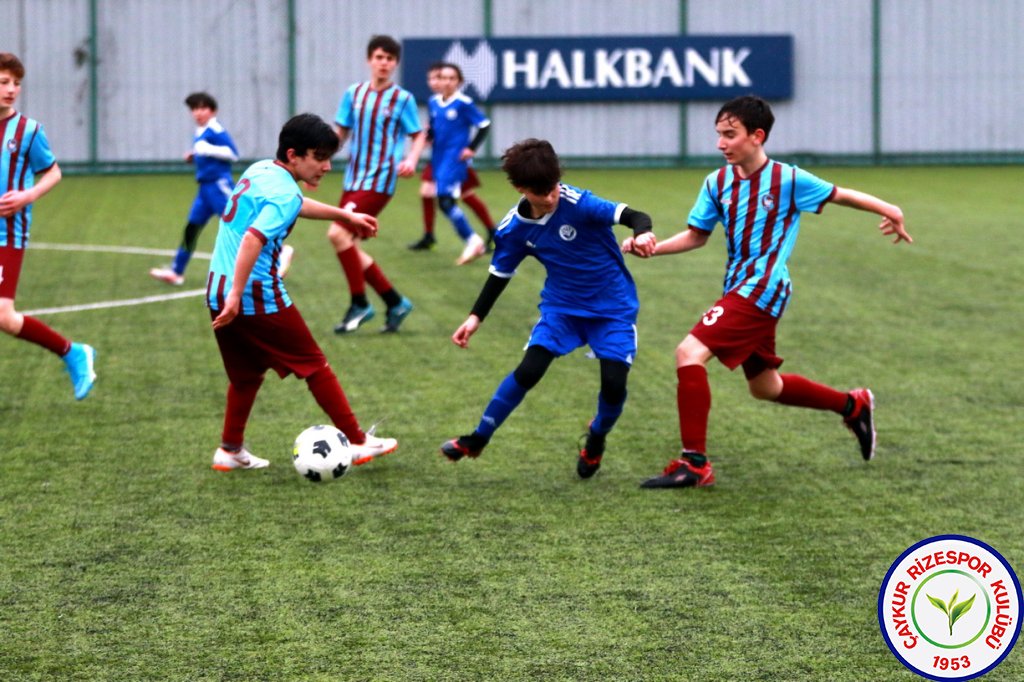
point(459, 222)
point(181, 260)
point(506, 398)
point(607, 415)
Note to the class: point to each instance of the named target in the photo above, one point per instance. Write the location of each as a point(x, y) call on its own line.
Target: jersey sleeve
point(705, 213)
point(40, 156)
point(410, 115)
point(509, 248)
point(476, 117)
point(344, 115)
point(811, 192)
point(600, 210)
point(276, 216)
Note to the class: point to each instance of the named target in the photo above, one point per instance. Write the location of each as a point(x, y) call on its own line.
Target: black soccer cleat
point(426, 243)
point(681, 473)
point(470, 445)
point(589, 460)
point(862, 421)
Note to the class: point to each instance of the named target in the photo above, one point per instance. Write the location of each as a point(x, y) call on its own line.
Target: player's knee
point(427, 190)
point(446, 204)
point(533, 366)
point(613, 381)
point(339, 237)
point(10, 321)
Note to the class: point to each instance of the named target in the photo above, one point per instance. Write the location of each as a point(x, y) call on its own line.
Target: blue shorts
point(210, 201)
point(449, 178)
point(609, 338)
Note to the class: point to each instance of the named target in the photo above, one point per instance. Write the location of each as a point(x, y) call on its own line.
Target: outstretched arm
point(688, 240)
point(488, 295)
point(892, 215)
point(363, 223)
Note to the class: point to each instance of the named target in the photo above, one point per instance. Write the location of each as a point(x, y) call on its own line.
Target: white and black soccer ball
point(322, 454)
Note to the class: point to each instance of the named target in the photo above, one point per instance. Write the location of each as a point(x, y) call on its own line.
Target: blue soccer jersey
point(586, 273)
point(761, 218)
point(266, 204)
point(378, 123)
point(26, 152)
point(214, 152)
point(452, 123)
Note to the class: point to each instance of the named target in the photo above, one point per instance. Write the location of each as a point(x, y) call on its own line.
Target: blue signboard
point(610, 68)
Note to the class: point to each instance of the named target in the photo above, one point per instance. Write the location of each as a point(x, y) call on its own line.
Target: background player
point(29, 170)
point(213, 151)
point(758, 201)
point(453, 117)
point(377, 116)
point(256, 325)
point(588, 297)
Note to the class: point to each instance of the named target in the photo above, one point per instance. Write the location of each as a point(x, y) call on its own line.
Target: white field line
point(134, 250)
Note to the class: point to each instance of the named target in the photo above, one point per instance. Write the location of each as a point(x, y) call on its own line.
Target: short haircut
point(386, 43)
point(9, 62)
point(532, 164)
point(201, 100)
point(455, 67)
point(436, 66)
point(750, 110)
point(306, 132)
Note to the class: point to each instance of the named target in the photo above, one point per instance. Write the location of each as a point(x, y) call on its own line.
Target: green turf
point(124, 557)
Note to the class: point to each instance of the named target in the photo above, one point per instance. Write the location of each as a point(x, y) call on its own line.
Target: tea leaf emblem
point(953, 611)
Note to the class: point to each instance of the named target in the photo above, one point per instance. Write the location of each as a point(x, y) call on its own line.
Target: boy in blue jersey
point(213, 151)
point(457, 129)
point(375, 116)
point(588, 297)
point(29, 170)
point(256, 325)
point(758, 201)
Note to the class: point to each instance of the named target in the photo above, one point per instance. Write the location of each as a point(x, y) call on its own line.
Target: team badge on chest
point(567, 233)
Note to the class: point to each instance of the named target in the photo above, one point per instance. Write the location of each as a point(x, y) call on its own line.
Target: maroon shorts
point(364, 201)
point(280, 341)
point(10, 270)
point(739, 333)
point(472, 179)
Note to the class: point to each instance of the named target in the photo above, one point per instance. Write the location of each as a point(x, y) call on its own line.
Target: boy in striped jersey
point(376, 116)
point(29, 171)
point(758, 201)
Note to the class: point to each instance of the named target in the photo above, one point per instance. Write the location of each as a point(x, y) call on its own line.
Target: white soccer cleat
point(167, 275)
point(474, 248)
point(229, 461)
point(373, 447)
point(285, 260)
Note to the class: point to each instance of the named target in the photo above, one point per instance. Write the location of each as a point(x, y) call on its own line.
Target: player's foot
point(396, 314)
point(681, 473)
point(356, 316)
point(426, 243)
point(167, 275)
point(243, 459)
point(474, 249)
point(470, 445)
point(80, 363)
point(372, 447)
point(285, 260)
point(589, 460)
point(862, 421)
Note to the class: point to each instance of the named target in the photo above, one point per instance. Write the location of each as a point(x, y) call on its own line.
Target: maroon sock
point(236, 415)
point(802, 392)
point(429, 213)
point(375, 278)
point(693, 397)
point(324, 386)
point(37, 332)
point(352, 265)
point(480, 209)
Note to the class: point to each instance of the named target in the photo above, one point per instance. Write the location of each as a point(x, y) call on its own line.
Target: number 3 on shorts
point(712, 315)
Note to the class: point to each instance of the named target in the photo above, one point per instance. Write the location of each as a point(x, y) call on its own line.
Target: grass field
point(124, 557)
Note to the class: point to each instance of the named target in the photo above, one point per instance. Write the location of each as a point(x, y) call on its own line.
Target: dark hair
point(436, 66)
point(199, 100)
point(386, 43)
point(8, 62)
point(304, 132)
point(454, 67)
point(750, 110)
point(532, 164)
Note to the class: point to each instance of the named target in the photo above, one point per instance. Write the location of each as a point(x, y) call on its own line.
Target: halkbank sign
point(608, 68)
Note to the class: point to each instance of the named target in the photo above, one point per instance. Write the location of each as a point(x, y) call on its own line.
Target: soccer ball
point(321, 453)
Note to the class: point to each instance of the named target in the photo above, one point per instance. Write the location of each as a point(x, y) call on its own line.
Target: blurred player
point(213, 151)
point(453, 117)
point(588, 298)
point(377, 116)
point(758, 201)
point(256, 325)
point(29, 170)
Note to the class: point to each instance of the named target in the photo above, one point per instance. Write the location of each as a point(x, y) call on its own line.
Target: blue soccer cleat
point(80, 363)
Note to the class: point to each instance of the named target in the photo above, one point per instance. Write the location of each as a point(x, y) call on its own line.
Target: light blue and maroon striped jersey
point(26, 152)
point(266, 204)
point(761, 218)
point(378, 123)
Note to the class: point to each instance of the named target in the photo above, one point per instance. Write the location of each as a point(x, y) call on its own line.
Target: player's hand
point(364, 224)
point(406, 168)
point(14, 201)
point(893, 225)
point(466, 154)
point(461, 336)
point(229, 312)
point(189, 156)
point(642, 245)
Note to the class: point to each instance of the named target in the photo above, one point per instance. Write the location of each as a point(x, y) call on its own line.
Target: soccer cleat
point(862, 421)
point(474, 249)
point(681, 473)
point(356, 316)
point(284, 261)
point(167, 275)
point(426, 243)
point(80, 363)
point(470, 445)
point(372, 447)
point(589, 460)
point(396, 314)
point(243, 459)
